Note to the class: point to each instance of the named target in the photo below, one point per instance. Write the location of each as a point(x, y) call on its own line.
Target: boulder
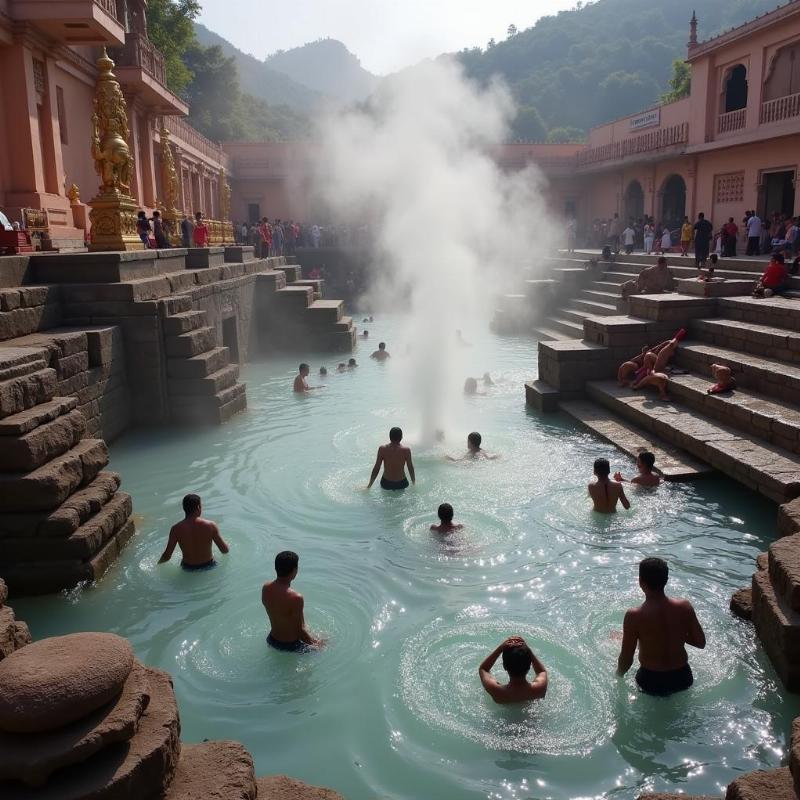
point(794, 755)
point(3, 592)
point(56, 681)
point(784, 569)
point(213, 771)
point(13, 633)
point(774, 784)
point(789, 518)
point(282, 787)
point(33, 757)
point(139, 769)
point(675, 796)
point(742, 603)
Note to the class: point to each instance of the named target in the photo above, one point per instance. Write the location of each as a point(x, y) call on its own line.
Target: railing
point(732, 121)
point(141, 52)
point(633, 145)
point(182, 131)
point(109, 6)
point(781, 108)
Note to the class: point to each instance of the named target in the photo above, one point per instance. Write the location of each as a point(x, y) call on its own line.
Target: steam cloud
point(449, 229)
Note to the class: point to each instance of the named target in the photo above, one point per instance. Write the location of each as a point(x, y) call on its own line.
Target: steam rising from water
point(449, 229)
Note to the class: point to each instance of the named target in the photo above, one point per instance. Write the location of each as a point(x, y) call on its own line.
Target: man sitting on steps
point(652, 280)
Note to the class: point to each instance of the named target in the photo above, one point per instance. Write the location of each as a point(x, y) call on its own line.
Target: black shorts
point(198, 567)
point(664, 683)
point(394, 485)
point(297, 646)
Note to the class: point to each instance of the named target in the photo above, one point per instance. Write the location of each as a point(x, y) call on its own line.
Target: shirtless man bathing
point(606, 493)
point(518, 659)
point(661, 627)
point(301, 380)
point(394, 457)
point(194, 536)
point(284, 608)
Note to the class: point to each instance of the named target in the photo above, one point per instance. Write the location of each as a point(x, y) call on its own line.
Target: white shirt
point(754, 226)
point(628, 236)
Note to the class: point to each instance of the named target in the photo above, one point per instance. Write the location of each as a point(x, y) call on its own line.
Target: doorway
point(777, 193)
point(673, 202)
point(253, 213)
point(634, 201)
point(230, 338)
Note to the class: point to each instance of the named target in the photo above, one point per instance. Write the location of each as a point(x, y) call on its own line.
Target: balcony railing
point(732, 121)
point(780, 109)
point(109, 6)
point(634, 145)
point(183, 132)
point(141, 52)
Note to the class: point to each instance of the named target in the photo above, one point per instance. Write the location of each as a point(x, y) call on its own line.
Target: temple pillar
point(135, 145)
point(52, 158)
point(755, 85)
point(147, 195)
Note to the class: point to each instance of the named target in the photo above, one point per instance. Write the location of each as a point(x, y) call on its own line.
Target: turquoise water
point(393, 707)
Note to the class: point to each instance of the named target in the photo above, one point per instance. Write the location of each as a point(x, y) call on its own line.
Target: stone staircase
point(62, 519)
point(202, 384)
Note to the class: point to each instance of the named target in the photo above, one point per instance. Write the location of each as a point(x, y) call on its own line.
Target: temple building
point(48, 61)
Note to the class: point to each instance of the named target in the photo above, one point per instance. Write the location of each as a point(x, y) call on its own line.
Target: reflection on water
point(393, 706)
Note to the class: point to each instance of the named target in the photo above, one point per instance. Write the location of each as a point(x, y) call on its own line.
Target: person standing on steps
point(661, 628)
point(687, 232)
point(754, 226)
point(703, 231)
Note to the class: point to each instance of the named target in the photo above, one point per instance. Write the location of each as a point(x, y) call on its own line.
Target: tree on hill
point(528, 125)
point(565, 135)
point(680, 84)
point(170, 28)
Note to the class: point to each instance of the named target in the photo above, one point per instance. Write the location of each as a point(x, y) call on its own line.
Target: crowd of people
point(660, 628)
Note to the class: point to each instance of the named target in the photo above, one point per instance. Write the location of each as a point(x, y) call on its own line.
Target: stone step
point(773, 784)
point(672, 463)
point(301, 296)
point(546, 334)
point(344, 324)
point(783, 564)
point(779, 312)
point(184, 322)
point(47, 487)
point(42, 444)
point(794, 755)
point(625, 272)
point(25, 421)
point(571, 315)
point(80, 545)
point(749, 337)
point(772, 420)
point(609, 286)
point(209, 410)
point(211, 384)
point(26, 391)
point(593, 308)
point(768, 376)
point(282, 787)
point(597, 295)
point(17, 361)
point(209, 770)
point(769, 470)
point(142, 768)
point(570, 329)
point(191, 344)
point(325, 311)
point(174, 304)
point(200, 366)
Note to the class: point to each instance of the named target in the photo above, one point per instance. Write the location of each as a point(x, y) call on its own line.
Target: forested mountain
point(599, 60)
point(326, 66)
point(260, 80)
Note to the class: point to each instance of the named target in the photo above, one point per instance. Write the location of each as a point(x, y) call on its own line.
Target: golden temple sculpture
point(113, 214)
point(74, 195)
point(170, 187)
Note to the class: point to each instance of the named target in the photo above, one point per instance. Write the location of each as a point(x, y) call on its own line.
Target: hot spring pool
point(393, 707)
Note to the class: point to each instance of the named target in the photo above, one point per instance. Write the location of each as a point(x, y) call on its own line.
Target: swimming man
point(474, 449)
point(194, 536)
point(394, 457)
point(284, 608)
point(446, 524)
point(606, 493)
point(517, 661)
point(646, 477)
point(300, 383)
point(381, 354)
point(661, 627)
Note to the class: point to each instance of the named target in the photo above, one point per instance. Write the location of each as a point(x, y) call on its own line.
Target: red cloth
point(731, 228)
point(775, 275)
point(200, 235)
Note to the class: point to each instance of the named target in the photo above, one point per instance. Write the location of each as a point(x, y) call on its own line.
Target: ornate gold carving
point(113, 214)
point(35, 219)
point(170, 188)
point(74, 195)
point(224, 196)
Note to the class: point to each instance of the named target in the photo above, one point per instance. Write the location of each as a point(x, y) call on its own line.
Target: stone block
point(9, 299)
point(181, 281)
point(13, 633)
point(27, 391)
point(541, 396)
point(101, 267)
point(69, 366)
point(24, 321)
point(784, 569)
point(176, 304)
point(212, 384)
point(742, 603)
point(21, 360)
point(25, 421)
point(794, 754)
point(214, 770)
point(239, 253)
point(73, 385)
point(42, 444)
point(207, 276)
point(31, 296)
point(199, 366)
point(191, 344)
point(204, 257)
point(45, 488)
point(789, 518)
point(103, 560)
point(774, 784)
point(184, 322)
point(282, 787)
point(675, 796)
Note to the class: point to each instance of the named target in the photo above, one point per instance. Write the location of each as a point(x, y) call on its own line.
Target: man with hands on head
point(518, 658)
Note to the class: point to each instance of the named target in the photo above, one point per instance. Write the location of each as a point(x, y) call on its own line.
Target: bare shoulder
point(208, 524)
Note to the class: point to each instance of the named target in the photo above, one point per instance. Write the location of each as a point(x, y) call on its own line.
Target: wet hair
point(475, 439)
point(323, 370)
point(602, 468)
point(654, 573)
point(396, 435)
point(302, 367)
point(517, 659)
point(381, 345)
point(648, 459)
point(445, 512)
point(191, 503)
point(470, 386)
point(286, 563)
point(365, 334)
point(352, 362)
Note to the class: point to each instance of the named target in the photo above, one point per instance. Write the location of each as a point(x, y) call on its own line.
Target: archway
point(673, 202)
point(634, 201)
point(736, 89)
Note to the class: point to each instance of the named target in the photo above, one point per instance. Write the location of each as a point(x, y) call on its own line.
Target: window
point(62, 115)
point(783, 77)
point(736, 89)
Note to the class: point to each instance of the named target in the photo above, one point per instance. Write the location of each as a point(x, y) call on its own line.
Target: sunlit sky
point(385, 34)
